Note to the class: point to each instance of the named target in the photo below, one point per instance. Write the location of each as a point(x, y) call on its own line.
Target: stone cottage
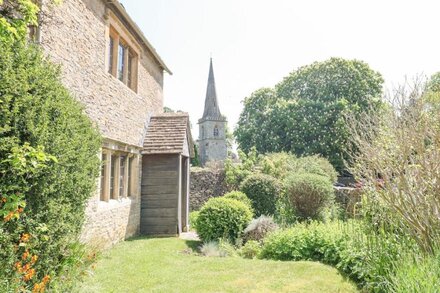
point(112, 69)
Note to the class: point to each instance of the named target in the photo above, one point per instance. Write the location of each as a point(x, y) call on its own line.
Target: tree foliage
point(304, 113)
point(398, 164)
point(41, 124)
point(15, 17)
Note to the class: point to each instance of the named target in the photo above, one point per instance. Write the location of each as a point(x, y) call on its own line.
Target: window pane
point(122, 176)
point(130, 162)
point(112, 178)
point(121, 62)
point(103, 158)
point(110, 56)
point(130, 70)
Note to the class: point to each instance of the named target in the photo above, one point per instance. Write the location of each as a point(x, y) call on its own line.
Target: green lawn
point(160, 265)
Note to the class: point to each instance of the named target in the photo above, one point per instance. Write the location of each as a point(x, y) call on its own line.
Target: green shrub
point(263, 190)
point(416, 274)
point(36, 110)
point(309, 194)
point(193, 218)
point(315, 241)
point(251, 249)
point(259, 228)
point(240, 196)
point(315, 165)
point(280, 165)
point(222, 218)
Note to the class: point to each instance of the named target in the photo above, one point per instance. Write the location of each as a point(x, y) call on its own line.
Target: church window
point(216, 131)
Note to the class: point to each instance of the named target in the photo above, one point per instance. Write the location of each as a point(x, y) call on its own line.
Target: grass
point(162, 265)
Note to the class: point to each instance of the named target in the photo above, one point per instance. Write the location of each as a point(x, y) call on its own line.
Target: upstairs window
point(122, 59)
point(216, 131)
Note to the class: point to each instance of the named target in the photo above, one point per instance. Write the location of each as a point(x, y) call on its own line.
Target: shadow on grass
point(146, 237)
point(195, 245)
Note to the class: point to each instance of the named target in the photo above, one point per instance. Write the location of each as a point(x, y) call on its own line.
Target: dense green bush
point(263, 190)
point(259, 228)
point(309, 194)
point(280, 165)
point(222, 218)
point(36, 110)
point(416, 274)
point(193, 218)
point(314, 241)
point(240, 196)
point(251, 249)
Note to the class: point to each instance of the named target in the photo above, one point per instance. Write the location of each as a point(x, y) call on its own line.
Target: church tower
point(212, 126)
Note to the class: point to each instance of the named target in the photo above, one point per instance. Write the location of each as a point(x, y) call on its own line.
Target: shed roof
point(166, 134)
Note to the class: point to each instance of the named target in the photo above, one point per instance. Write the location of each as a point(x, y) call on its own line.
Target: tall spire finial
point(212, 110)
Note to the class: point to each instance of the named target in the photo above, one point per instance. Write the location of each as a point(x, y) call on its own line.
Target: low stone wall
point(108, 223)
point(204, 184)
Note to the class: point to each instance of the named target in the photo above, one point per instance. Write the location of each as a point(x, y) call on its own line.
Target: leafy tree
point(252, 128)
point(15, 17)
point(305, 112)
point(42, 124)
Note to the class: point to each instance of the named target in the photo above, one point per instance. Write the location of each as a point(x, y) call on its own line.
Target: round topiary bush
point(309, 194)
point(263, 191)
point(222, 218)
point(240, 196)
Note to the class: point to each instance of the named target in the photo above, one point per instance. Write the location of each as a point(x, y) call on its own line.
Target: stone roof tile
point(166, 134)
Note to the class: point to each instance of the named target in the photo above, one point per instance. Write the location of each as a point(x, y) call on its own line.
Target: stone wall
point(75, 36)
point(212, 148)
point(205, 183)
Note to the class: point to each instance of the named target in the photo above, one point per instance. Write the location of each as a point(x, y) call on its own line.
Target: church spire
point(212, 110)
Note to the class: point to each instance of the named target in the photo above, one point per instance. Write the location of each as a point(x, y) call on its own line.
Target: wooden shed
point(168, 147)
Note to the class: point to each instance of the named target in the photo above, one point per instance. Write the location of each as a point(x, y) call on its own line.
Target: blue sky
point(256, 43)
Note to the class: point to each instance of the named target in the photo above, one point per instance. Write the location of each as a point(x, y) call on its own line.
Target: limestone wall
point(205, 183)
point(75, 36)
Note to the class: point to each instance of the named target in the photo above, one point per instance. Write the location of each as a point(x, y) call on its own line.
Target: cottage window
point(122, 176)
point(118, 175)
point(122, 59)
point(110, 55)
point(103, 177)
point(131, 178)
point(113, 177)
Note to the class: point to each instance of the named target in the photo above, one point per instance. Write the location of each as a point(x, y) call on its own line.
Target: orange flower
point(46, 279)
point(25, 237)
point(38, 288)
point(4, 199)
point(34, 259)
point(25, 255)
point(20, 210)
point(29, 275)
point(26, 267)
point(8, 216)
point(18, 267)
